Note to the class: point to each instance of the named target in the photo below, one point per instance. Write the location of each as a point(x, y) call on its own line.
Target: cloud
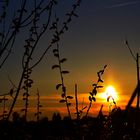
point(124, 4)
point(50, 104)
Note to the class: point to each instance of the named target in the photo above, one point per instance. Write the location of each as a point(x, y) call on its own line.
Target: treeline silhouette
point(116, 126)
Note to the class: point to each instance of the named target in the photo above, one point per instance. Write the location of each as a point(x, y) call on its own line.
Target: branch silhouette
point(95, 87)
point(36, 32)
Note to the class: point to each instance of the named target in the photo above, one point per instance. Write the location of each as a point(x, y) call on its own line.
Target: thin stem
point(13, 35)
point(88, 108)
point(24, 68)
point(62, 81)
point(76, 99)
point(17, 93)
point(62, 29)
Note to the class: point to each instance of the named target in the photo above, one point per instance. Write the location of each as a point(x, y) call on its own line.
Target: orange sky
point(51, 104)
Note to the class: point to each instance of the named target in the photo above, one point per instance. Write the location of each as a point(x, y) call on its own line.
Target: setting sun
point(110, 91)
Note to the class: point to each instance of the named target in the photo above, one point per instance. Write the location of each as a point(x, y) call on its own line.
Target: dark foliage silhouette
point(95, 87)
point(65, 98)
point(32, 20)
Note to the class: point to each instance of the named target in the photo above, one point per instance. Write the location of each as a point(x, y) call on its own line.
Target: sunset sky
point(94, 39)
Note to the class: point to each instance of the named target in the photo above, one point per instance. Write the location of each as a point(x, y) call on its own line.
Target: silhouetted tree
point(31, 19)
point(56, 117)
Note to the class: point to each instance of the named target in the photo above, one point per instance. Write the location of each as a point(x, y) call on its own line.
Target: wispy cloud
point(124, 4)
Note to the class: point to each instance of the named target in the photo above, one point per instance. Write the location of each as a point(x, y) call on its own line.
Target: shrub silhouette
point(95, 87)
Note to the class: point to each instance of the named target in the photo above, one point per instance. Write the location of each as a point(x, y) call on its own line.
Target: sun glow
point(110, 91)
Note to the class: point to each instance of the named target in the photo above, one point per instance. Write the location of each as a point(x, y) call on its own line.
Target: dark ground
point(119, 125)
